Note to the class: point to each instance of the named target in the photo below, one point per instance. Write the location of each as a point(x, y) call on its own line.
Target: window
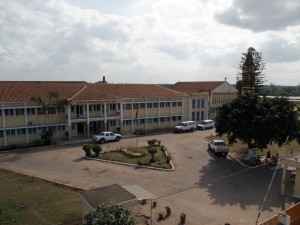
point(155, 105)
point(149, 120)
point(168, 104)
point(10, 132)
point(179, 104)
point(194, 104)
point(112, 123)
point(91, 108)
point(112, 107)
point(21, 131)
point(167, 119)
point(1, 133)
point(202, 103)
point(155, 120)
point(126, 122)
point(142, 105)
point(162, 104)
point(135, 105)
point(174, 104)
point(174, 118)
point(198, 103)
point(142, 121)
point(72, 108)
point(30, 111)
point(162, 119)
point(19, 112)
point(9, 112)
point(149, 105)
point(127, 107)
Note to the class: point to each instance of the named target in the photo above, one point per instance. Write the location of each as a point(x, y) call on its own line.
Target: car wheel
point(192, 129)
point(209, 147)
point(118, 139)
point(215, 152)
point(102, 141)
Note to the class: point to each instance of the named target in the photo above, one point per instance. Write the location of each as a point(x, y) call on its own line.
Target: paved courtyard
point(209, 189)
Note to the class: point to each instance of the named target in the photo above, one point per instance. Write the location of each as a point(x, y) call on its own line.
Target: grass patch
point(26, 200)
point(240, 149)
point(143, 160)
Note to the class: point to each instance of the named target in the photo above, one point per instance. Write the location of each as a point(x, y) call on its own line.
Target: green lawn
point(160, 157)
point(26, 200)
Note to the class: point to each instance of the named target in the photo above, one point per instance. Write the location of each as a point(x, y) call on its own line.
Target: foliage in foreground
point(258, 121)
point(109, 214)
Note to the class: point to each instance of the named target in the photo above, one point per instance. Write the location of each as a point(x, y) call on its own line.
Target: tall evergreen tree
point(251, 77)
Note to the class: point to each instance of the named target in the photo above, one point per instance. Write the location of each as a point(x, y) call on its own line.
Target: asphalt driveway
point(209, 189)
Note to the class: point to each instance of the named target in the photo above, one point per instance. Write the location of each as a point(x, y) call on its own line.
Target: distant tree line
point(277, 90)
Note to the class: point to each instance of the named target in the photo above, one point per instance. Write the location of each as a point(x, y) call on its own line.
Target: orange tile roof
point(137, 90)
point(23, 91)
point(194, 87)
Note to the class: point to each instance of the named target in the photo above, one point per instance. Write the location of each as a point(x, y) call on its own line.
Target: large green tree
point(258, 121)
point(251, 77)
point(109, 215)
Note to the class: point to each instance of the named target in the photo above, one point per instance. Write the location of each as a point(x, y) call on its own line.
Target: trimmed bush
point(87, 148)
point(96, 149)
point(152, 142)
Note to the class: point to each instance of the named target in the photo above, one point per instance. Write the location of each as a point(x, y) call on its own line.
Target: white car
point(218, 147)
point(107, 136)
point(206, 124)
point(185, 126)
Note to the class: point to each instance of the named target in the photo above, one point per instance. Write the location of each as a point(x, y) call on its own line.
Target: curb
point(132, 165)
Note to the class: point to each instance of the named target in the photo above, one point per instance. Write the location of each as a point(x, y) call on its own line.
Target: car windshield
point(181, 124)
point(219, 143)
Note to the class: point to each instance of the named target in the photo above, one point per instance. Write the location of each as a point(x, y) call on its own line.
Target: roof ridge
point(177, 92)
point(81, 90)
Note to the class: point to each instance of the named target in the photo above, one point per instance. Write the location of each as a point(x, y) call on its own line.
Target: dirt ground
point(209, 189)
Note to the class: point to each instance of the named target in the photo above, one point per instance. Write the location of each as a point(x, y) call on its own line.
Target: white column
point(26, 122)
point(88, 119)
point(69, 122)
point(105, 117)
point(4, 126)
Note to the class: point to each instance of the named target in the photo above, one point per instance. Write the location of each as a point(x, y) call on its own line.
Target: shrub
point(163, 148)
point(168, 210)
point(152, 142)
point(96, 149)
point(160, 216)
point(139, 131)
point(182, 218)
point(87, 148)
point(168, 159)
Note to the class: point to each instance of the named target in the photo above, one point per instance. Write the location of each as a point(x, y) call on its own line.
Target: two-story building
point(90, 108)
point(212, 94)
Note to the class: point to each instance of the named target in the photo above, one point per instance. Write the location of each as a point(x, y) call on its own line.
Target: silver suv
point(206, 124)
point(185, 126)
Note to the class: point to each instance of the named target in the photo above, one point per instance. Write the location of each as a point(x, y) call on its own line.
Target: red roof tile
point(137, 90)
point(23, 91)
point(194, 87)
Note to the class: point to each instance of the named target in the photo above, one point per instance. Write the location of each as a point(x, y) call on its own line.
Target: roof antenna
point(225, 79)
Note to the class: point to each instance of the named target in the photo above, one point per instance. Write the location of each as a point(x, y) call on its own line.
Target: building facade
point(90, 108)
point(213, 93)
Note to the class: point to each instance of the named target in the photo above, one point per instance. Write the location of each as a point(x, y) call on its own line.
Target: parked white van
point(206, 124)
point(185, 126)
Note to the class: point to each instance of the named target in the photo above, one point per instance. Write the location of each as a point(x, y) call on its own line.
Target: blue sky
point(147, 41)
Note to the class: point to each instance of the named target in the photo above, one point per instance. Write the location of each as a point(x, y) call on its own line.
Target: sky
point(147, 41)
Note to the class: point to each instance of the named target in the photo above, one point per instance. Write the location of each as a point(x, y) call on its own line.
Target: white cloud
point(153, 42)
